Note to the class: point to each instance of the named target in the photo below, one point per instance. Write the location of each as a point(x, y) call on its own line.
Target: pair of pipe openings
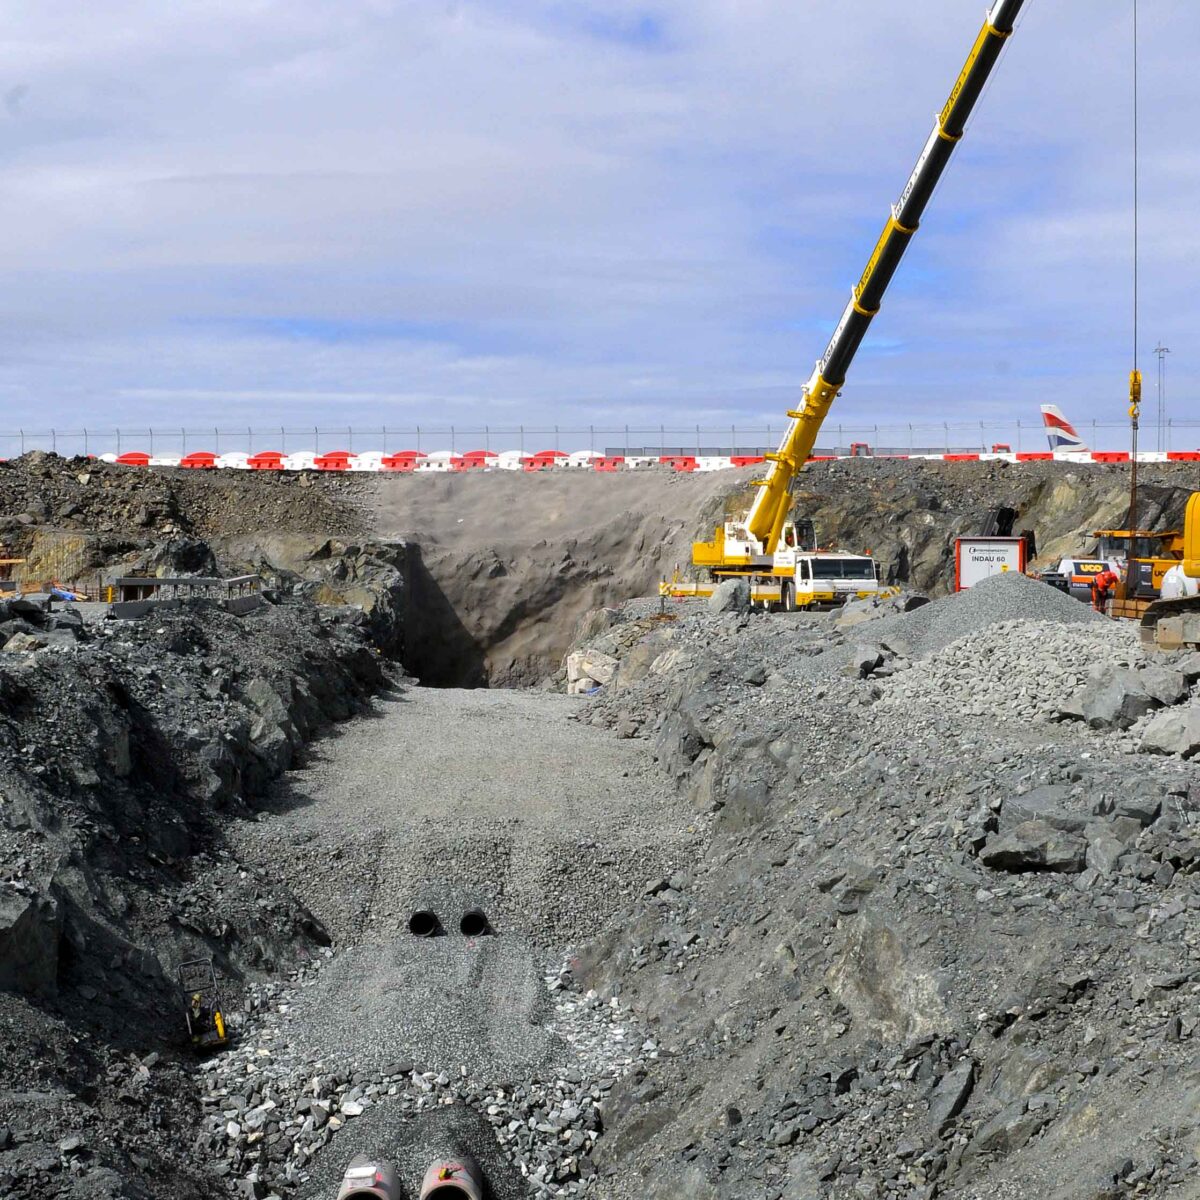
point(446, 1179)
point(426, 923)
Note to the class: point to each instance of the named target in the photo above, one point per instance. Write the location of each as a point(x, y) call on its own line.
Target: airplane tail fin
point(1060, 432)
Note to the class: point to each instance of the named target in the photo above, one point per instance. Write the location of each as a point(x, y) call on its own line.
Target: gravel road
point(447, 800)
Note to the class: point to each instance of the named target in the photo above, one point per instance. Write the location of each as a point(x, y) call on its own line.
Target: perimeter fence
point(948, 437)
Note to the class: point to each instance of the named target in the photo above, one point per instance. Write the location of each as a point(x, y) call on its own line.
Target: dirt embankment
point(504, 565)
point(510, 563)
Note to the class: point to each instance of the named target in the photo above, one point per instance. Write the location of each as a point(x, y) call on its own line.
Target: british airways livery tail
point(1060, 432)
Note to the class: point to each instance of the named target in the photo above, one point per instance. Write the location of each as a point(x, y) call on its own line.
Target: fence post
point(216, 440)
point(182, 443)
point(385, 439)
point(316, 441)
point(282, 441)
point(946, 435)
point(487, 437)
point(662, 441)
point(22, 441)
point(521, 439)
point(452, 446)
point(910, 437)
point(1093, 434)
point(53, 442)
point(1018, 435)
point(732, 440)
point(592, 438)
point(85, 443)
point(118, 444)
point(556, 437)
point(151, 443)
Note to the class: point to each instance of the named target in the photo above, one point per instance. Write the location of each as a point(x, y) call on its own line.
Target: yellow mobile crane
point(762, 546)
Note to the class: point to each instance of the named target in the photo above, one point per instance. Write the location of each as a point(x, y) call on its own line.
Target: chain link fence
point(837, 438)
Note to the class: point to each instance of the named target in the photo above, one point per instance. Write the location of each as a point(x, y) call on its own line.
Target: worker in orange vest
point(1102, 589)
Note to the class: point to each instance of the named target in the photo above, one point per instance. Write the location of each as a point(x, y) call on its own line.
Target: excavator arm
point(771, 504)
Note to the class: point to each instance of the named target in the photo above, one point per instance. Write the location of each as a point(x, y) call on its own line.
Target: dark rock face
point(124, 752)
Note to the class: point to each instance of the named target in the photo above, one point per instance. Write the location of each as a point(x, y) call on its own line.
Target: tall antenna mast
point(1135, 376)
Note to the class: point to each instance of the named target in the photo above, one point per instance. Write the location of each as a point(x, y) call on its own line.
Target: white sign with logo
point(980, 558)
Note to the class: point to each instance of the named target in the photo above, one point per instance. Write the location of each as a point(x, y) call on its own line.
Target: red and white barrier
point(440, 461)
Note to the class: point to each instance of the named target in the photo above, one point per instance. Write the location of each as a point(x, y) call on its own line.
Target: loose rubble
point(944, 941)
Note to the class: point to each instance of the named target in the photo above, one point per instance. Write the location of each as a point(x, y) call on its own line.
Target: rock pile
point(944, 942)
point(124, 748)
point(270, 1111)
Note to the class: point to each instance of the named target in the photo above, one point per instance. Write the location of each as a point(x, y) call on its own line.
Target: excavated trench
point(477, 586)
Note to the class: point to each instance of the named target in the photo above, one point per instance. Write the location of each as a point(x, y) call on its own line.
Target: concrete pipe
point(368, 1177)
point(474, 923)
point(424, 923)
point(453, 1179)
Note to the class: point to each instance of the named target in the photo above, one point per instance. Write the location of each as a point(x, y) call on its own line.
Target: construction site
point(758, 824)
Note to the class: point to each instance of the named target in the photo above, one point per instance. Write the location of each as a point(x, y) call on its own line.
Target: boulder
point(1042, 804)
point(951, 1095)
point(24, 643)
point(855, 612)
point(1144, 809)
point(1165, 686)
point(1035, 846)
point(1008, 1130)
point(863, 660)
point(1174, 732)
point(733, 595)
point(1104, 848)
point(1112, 698)
point(588, 668)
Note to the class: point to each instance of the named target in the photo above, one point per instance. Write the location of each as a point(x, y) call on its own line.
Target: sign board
point(977, 558)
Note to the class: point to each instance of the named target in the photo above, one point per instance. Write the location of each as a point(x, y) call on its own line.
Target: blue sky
point(551, 212)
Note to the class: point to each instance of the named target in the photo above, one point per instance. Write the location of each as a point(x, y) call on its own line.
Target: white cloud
point(549, 212)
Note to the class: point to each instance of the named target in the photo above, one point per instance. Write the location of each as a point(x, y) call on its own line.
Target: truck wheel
point(787, 597)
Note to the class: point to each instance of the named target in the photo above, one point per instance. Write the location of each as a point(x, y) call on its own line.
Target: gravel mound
point(1000, 599)
point(1023, 670)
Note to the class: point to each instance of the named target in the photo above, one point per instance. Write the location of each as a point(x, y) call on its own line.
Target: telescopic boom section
point(774, 497)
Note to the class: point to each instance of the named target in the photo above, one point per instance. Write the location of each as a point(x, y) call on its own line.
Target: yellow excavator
point(756, 546)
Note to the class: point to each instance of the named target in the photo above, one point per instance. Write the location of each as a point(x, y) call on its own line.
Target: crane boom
point(771, 504)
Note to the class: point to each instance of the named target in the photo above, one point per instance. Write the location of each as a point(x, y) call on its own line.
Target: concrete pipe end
point(424, 923)
point(474, 923)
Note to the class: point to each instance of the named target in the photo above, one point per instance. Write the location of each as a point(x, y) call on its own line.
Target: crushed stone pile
point(1015, 668)
point(1002, 599)
point(945, 938)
